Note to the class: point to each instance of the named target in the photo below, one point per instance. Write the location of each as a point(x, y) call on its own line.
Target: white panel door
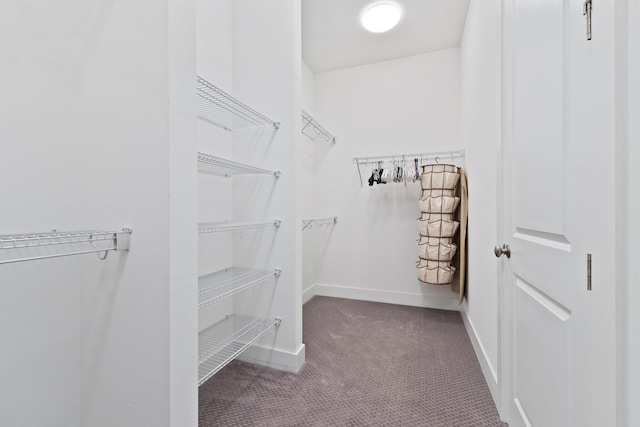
point(558, 200)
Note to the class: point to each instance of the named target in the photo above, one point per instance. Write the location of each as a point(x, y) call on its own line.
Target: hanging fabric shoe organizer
point(443, 225)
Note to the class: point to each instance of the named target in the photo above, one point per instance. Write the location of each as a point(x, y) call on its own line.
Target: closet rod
point(310, 222)
point(212, 227)
point(315, 130)
point(109, 241)
point(433, 156)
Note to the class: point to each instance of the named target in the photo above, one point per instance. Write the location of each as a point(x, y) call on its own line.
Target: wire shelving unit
point(314, 130)
point(223, 167)
point(222, 284)
point(222, 342)
point(308, 223)
point(214, 227)
point(218, 108)
point(94, 241)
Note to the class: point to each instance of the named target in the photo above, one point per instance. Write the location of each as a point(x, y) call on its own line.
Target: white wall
point(183, 338)
point(480, 64)
point(308, 94)
point(315, 239)
point(267, 76)
point(631, 230)
point(624, 202)
point(215, 194)
point(407, 105)
point(86, 143)
point(41, 309)
point(306, 176)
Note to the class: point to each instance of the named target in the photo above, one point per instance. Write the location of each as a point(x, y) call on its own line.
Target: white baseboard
point(490, 375)
point(308, 293)
point(390, 297)
point(274, 358)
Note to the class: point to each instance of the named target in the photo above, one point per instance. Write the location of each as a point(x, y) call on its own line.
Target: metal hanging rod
point(435, 156)
point(213, 227)
point(100, 241)
point(222, 342)
point(225, 283)
point(314, 130)
point(452, 156)
point(218, 166)
point(319, 222)
point(217, 107)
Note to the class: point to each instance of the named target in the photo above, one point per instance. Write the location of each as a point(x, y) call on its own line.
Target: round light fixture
point(381, 17)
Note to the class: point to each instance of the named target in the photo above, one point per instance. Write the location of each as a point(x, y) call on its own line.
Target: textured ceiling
point(332, 37)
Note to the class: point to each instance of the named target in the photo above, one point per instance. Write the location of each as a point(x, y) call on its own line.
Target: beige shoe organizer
point(437, 225)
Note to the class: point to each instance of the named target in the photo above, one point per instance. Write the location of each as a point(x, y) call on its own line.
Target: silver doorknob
point(502, 250)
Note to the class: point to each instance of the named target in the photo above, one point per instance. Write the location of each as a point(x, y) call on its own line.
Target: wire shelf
point(213, 227)
point(99, 241)
point(222, 342)
point(222, 284)
point(308, 223)
point(218, 166)
point(452, 156)
point(314, 130)
point(218, 108)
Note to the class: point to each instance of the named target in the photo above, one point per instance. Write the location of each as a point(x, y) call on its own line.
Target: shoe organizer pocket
point(437, 252)
point(438, 228)
point(439, 180)
point(439, 168)
point(435, 272)
point(441, 204)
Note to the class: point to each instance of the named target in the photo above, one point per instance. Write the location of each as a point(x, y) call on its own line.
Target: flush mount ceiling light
point(381, 17)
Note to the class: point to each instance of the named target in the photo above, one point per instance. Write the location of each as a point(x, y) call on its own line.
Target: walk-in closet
point(272, 213)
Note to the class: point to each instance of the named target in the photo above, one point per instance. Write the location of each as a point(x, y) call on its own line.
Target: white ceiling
point(332, 37)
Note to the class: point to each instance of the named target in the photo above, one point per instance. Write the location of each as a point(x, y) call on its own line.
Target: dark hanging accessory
point(372, 178)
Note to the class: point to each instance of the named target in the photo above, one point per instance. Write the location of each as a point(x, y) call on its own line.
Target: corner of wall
point(308, 293)
point(183, 206)
point(628, 209)
point(488, 370)
point(480, 64)
point(274, 358)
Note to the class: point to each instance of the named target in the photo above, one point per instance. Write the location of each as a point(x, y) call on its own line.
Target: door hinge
point(588, 272)
point(588, 6)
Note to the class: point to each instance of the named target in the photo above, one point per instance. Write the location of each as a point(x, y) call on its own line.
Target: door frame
point(628, 206)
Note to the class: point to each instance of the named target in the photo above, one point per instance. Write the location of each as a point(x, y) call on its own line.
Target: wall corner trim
point(490, 374)
point(274, 358)
point(308, 293)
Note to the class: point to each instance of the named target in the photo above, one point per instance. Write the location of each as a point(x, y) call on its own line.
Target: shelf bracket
point(123, 239)
point(587, 10)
